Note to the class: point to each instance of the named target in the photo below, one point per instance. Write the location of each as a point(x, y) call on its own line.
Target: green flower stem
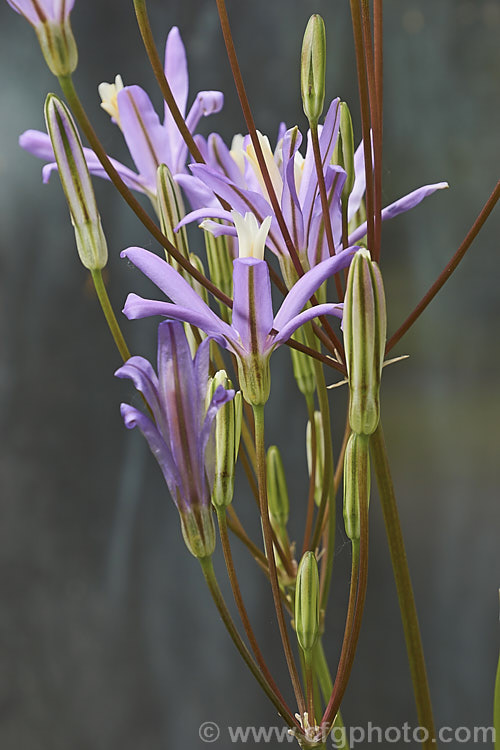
point(235, 587)
point(68, 88)
point(327, 569)
point(109, 314)
point(260, 449)
point(404, 586)
point(325, 681)
point(312, 478)
point(211, 580)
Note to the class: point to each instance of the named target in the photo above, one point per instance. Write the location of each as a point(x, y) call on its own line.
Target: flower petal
point(305, 287)
point(146, 138)
point(304, 317)
point(406, 203)
point(252, 305)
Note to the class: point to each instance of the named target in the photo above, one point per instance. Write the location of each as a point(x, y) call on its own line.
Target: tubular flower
point(254, 333)
point(149, 141)
point(50, 19)
point(181, 434)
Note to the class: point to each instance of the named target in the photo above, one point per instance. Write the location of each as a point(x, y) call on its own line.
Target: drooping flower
point(50, 19)
point(180, 435)
point(149, 141)
point(254, 332)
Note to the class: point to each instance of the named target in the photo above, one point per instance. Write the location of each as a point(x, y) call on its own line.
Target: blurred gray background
point(108, 639)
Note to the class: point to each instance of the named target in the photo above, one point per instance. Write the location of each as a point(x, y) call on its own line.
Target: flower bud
point(356, 483)
point(313, 65)
point(276, 488)
point(364, 325)
point(346, 139)
point(220, 265)
point(171, 211)
point(307, 602)
point(51, 23)
point(303, 367)
point(76, 183)
point(319, 456)
point(198, 530)
point(227, 441)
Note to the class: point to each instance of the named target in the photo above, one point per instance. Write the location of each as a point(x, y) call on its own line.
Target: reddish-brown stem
point(376, 124)
point(446, 273)
point(365, 114)
point(238, 598)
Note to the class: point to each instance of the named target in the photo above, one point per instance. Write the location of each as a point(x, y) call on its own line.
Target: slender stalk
point(268, 542)
point(326, 684)
point(404, 587)
point(156, 64)
point(312, 478)
point(235, 587)
point(378, 53)
point(236, 527)
point(68, 88)
point(373, 96)
point(364, 98)
point(109, 314)
point(211, 580)
point(330, 544)
point(446, 273)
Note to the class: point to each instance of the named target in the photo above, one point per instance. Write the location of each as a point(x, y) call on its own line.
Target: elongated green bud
point(276, 488)
point(364, 325)
point(303, 366)
point(313, 66)
point(356, 483)
point(346, 138)
point(227, 441)
point(307, 602)
point(319, 455)
point(171, 211)
point(76, 183)
point(198, 530)
point(220, 256)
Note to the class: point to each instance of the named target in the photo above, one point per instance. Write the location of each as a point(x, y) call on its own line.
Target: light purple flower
point(235, 176)
point(39, 11)
point(254, 332)
point(180, 435)
point(149, 141)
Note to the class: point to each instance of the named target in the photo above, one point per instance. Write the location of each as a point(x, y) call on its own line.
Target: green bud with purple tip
point(76, 183)
point(307, 602)
point(365, 326)
point(313, 67)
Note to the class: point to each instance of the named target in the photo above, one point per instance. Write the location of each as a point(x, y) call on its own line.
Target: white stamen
point(109, 98)
point(251, 237)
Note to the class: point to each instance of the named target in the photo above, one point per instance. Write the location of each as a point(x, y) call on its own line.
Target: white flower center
point(251, 237)
point(109, 98)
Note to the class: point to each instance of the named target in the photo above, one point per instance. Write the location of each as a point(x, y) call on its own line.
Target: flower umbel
point(180, 435)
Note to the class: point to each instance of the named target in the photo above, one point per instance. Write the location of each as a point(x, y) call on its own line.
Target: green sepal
point(227, 441)
point(58, 47)
point(198, 530)
point(356, 483)
point(307, 602)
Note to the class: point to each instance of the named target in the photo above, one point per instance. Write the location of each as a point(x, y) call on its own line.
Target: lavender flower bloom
point(254, 332)
point(181, 433)
point(50, 19)
point(235, 176)
point(149, 141)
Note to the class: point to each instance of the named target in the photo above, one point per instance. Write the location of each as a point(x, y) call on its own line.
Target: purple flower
point(50, 19)
point(149, 141)
point(254, 332)
point(181, 432)
point(39, 11)
point(235, 176)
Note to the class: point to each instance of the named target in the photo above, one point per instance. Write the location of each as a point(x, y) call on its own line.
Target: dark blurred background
point(108, 638)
